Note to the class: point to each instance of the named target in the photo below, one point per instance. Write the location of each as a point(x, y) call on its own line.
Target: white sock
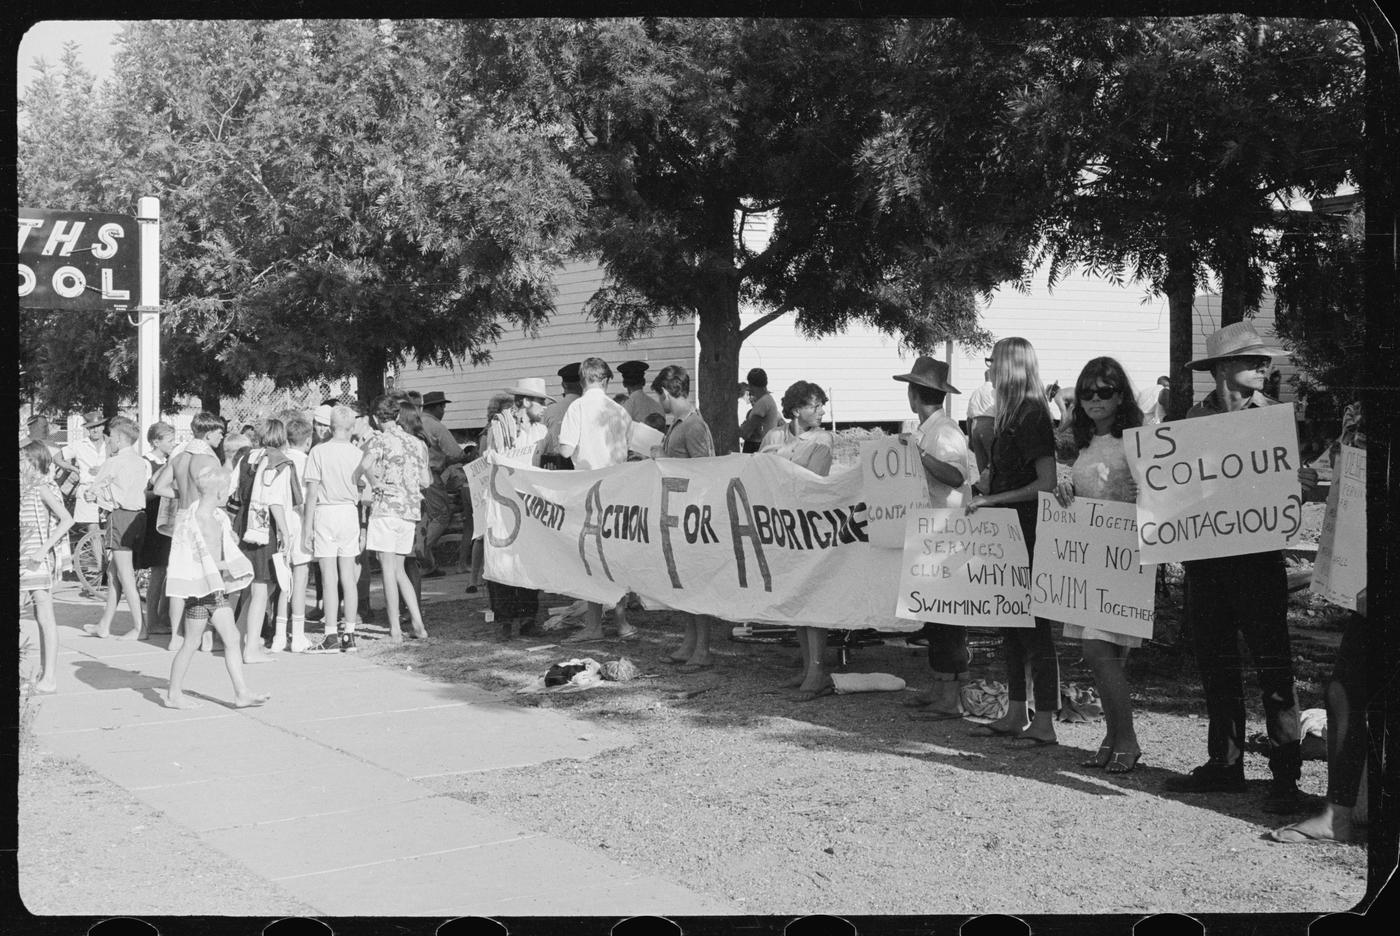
point(298, 626)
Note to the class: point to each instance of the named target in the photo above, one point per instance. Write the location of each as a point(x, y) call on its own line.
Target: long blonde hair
point(1016, 376)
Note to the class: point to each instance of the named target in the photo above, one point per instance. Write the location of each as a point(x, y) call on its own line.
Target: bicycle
point(90, 563)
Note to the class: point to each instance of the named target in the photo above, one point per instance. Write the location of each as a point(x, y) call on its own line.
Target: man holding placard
point(943, 454)
point(1227, 595)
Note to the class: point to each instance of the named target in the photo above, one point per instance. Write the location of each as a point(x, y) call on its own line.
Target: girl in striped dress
point(43, 523)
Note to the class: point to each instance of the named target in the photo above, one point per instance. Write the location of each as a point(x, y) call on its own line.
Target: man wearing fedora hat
point(443, 454)
point(1248, 594)
point(87, 455)
point(943, 453)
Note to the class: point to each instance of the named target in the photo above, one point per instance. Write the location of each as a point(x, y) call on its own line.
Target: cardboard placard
point(1339, 572)
point(966, 569)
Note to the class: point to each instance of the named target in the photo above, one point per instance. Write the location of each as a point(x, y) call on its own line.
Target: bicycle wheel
point(89, 559)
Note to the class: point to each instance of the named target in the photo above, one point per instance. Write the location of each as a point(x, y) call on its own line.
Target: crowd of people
point(232, 526)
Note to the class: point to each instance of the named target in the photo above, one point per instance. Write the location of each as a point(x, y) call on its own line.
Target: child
point(332, 534)
point(120, 489)
point(294, 552)
point(206, 564)
point(39, 505)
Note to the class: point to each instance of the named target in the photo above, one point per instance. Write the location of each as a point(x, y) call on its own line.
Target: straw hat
point(1237, 340)
point(530, 387)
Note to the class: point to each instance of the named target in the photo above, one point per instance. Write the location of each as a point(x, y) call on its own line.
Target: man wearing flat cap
point(443, 454)
point(1247, 594)
point(945, 458)
point(640, 404)
point(554, 416)
point(87, 455)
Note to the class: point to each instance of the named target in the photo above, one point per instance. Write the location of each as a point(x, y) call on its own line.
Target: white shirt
point(982, 401)
point(941, 438)
point(88, 458)
point(334, 465)
point(596, 425)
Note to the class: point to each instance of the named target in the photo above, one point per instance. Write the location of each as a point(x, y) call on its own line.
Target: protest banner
point(965, 569)
point(894, 485)
point(1224, 485)
point(739, 537)
point(477, 470)
point(1086, 570)
point(1339, 572)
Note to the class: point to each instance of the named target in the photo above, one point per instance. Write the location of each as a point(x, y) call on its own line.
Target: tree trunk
point(1233, 301)
point(1181, 299)
point(211, 396)
point(718, 332)
point(369, 377)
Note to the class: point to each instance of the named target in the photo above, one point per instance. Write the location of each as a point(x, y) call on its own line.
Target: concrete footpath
point(321, 788)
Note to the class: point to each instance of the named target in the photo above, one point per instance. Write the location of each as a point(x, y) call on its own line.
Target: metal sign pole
point(148, 327)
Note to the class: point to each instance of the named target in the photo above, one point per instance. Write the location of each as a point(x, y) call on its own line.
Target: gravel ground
point(848, 805)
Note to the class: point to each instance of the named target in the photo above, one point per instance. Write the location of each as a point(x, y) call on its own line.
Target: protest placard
point(894, 485)
point(476, 472)
point(1339, 572)
point(1223, 485)
point(1086, 569)
point(738, 537)
point(641, 439)
point(970, 570)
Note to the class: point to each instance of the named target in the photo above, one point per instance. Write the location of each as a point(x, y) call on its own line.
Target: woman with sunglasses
point(1106, 406)
point(1022, 464)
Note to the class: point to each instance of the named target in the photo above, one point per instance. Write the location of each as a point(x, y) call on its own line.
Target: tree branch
point(762, 320)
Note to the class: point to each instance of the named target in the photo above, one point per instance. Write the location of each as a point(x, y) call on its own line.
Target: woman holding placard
point(1106, 406)
point(1022, 464)
point(802, 440)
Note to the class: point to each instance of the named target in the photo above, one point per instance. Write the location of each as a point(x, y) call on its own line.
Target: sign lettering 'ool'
point(1339, 573)
point(970, 570)
point(1223, 485)
point(78, 260)
point(1086, 568)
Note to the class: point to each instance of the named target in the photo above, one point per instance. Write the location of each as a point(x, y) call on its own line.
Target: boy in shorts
point(221, 568)
point(120, 489)
point(332, 531)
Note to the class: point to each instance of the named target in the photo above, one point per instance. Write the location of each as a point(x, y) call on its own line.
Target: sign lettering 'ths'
point(62, 253)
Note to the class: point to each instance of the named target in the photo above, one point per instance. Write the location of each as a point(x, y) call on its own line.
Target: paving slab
point(365, 835)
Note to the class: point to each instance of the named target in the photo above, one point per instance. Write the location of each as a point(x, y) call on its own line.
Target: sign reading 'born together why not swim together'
point(1086, 568)
point(1224, 485)
point(965, 569)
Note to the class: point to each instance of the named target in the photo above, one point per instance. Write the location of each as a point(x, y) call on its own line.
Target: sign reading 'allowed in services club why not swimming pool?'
point(1223, 485)
point(965, 569)
point(1086, 569)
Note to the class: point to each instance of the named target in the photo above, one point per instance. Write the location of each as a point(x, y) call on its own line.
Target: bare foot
point(820, 682)
point(92, 630)
point(180, 702)
point(681, 655)
point(251, 658)
point(175, 644)
point(132, 634)
point(793, 683)
point(396, 638)
point(206, 645)
point(585, 635)
point(251, 700)
point(627, 633)
point(705, 660)
point(46, 687)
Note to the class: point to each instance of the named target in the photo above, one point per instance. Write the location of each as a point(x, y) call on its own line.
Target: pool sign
point(78, 260)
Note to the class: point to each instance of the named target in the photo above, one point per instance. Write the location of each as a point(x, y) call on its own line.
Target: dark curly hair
point(1108, 371)
point(799, 395)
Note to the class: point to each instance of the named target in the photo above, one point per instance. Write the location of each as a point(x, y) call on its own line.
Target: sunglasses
point(1103, 393)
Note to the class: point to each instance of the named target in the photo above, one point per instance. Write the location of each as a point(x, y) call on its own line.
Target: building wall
point(569, 336)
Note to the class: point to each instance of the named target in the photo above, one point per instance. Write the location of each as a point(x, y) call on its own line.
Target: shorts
point(203, 607)
point(391, 534)
point(126, 529)
point(1074, 631)
point(336, 531)
point(260, 557)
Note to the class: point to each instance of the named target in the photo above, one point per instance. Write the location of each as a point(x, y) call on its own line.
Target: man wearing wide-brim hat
point(87, 455)
point(439, 498)
point(1246, 594)
point(943, 452)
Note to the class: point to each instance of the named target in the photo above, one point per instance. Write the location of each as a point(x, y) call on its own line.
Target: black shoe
point(347, 643)
point(1285, 799)
point(1211, 777)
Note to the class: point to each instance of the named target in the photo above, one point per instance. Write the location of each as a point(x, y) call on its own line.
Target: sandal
point(1101, 759)
point(1122, 762)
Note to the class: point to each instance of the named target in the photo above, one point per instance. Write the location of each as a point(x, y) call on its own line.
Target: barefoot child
point(291, 497)
point(205, 566)
point(120, 489)
point(40, 505)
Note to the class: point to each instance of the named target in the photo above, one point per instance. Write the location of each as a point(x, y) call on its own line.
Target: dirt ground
point(846, 804)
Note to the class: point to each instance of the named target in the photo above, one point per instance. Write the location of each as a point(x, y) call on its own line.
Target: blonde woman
point(1022, 464)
